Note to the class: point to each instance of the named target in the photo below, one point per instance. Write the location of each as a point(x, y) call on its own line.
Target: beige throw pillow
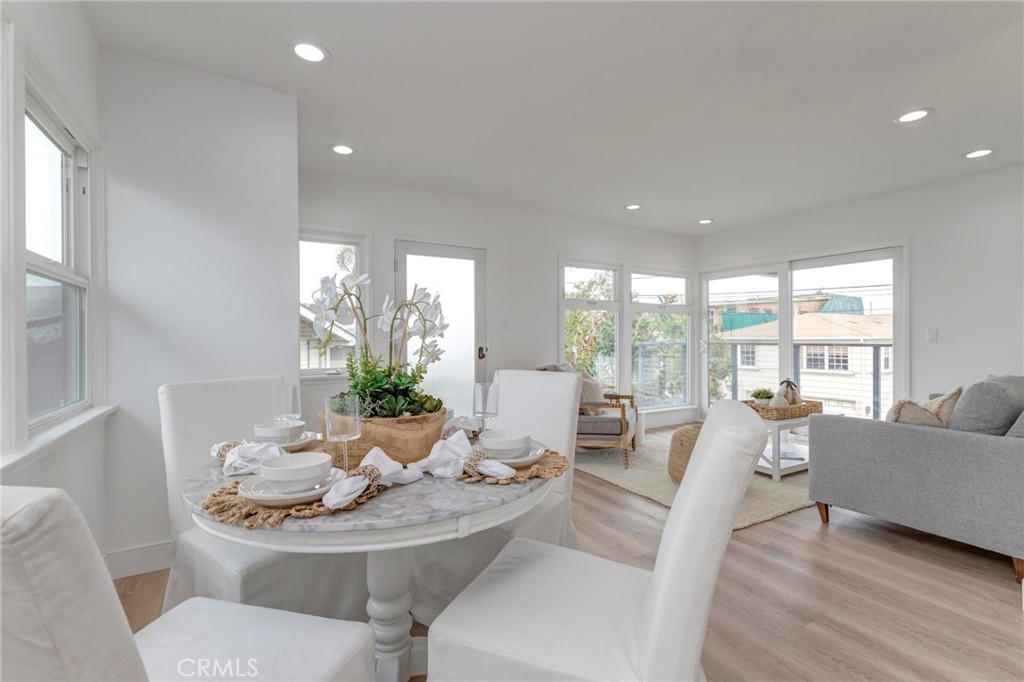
point(591, 393)
point(935, 412)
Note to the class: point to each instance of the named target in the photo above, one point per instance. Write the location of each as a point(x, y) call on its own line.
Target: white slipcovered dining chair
point(62, 619)
point(193, 416)
point(545, 405)
point(541, 612)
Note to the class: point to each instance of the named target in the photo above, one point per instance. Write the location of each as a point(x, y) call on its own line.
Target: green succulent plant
point(762, 393)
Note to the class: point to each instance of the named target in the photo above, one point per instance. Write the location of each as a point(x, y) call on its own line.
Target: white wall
point(965, 245)
point(203, 258)
point(59, 39)
point(522, 244)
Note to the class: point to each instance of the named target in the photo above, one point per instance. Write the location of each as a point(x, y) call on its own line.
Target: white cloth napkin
point(247, 457)
point(448, 458)
point(350, 487)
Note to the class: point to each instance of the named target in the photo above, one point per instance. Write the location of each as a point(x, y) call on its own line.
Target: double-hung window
point(56, 268)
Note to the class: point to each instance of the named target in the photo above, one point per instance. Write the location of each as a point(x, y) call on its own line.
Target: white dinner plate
point(260, 491)
point(305, 439)
point(532, 454)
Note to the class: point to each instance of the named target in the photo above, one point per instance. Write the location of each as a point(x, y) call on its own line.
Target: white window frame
point(753, 349)
point(333, 235)
point(75, 233)
point(829, 356)
point(27, 88)
point(614, 306)
point(897, 250)
point(631, 307)
point(624, 308)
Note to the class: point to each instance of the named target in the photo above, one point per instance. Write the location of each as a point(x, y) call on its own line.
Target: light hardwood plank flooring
point(859, 599)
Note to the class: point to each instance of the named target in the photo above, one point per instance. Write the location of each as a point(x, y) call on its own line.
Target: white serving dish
point(305, 439)
point(531, 455)
point(296, 473)
point(280, 430)
point(503, 443)
point(260, 491)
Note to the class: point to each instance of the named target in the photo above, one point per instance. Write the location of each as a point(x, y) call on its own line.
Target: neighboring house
point(310, 357)
point(835, 355)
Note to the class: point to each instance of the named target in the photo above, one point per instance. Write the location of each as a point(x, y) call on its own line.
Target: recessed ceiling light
point(911, 116)
point(311, 52)
point(705, 221)
point(978, 153)
point(343, 149)
point(632, 207)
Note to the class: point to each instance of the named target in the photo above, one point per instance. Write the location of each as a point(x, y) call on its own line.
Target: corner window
point(596, 301)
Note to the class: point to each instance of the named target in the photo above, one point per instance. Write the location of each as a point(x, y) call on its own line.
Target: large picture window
point(828, 323)
point(596, 299)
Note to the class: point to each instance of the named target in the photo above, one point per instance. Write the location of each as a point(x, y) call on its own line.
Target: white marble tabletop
point(425, 501)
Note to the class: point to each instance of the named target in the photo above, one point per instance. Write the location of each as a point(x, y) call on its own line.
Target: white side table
point(781, 458)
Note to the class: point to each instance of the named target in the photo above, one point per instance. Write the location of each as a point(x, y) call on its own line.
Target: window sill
point(46, 441)
point(312, 379)
point(836, 372)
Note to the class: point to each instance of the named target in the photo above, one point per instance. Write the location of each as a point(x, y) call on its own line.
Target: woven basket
point(404, 439)
point(789, 412)
point(683, 440)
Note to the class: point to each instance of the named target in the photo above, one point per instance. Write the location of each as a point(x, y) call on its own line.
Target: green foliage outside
point(590, 342)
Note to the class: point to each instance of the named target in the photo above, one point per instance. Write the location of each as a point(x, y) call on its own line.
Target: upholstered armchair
point(608, 423)
point(606, 419)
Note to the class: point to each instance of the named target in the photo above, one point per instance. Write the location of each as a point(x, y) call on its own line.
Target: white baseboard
point(136, 560)
point(672, 417)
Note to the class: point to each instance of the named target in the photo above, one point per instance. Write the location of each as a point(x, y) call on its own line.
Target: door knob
point(481, 352)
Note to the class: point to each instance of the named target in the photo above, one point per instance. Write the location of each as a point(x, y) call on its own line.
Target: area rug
point(648, 476)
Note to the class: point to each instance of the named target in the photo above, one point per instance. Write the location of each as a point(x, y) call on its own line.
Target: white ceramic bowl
point(280, 430)
point(296, 473)
point(503, 443)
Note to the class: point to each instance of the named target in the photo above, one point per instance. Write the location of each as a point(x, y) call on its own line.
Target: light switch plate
point(931, 335)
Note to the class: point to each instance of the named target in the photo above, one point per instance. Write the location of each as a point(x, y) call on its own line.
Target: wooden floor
point(859, 599)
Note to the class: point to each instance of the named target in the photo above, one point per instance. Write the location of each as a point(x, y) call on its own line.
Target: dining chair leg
point(388, 578)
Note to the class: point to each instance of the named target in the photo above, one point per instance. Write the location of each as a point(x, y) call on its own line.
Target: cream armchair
point(607, 423)
point(606, 419)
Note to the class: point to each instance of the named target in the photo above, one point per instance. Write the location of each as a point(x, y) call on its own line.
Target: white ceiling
point(732, 110)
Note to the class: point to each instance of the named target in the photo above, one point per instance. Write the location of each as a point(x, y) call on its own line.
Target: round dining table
point(386, 527)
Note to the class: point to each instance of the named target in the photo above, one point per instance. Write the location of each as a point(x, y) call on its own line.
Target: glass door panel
point(743, 335)
point(457, 275)
point(843, 336)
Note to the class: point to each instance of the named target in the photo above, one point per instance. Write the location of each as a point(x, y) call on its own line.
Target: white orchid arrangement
point(385, 390)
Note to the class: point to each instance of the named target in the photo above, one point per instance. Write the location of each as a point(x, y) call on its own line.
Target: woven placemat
point(228, 506)
point(550, 465)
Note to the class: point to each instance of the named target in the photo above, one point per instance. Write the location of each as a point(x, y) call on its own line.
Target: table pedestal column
point(389, 576)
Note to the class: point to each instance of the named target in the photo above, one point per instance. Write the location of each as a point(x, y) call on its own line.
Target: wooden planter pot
point(403, 439)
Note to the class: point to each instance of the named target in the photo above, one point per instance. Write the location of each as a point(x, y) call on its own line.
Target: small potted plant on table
point(762, 396)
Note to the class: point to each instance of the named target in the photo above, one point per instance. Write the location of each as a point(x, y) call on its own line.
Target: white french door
point(459, 275)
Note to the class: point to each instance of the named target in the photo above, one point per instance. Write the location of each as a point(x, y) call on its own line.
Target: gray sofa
point(963, 485)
